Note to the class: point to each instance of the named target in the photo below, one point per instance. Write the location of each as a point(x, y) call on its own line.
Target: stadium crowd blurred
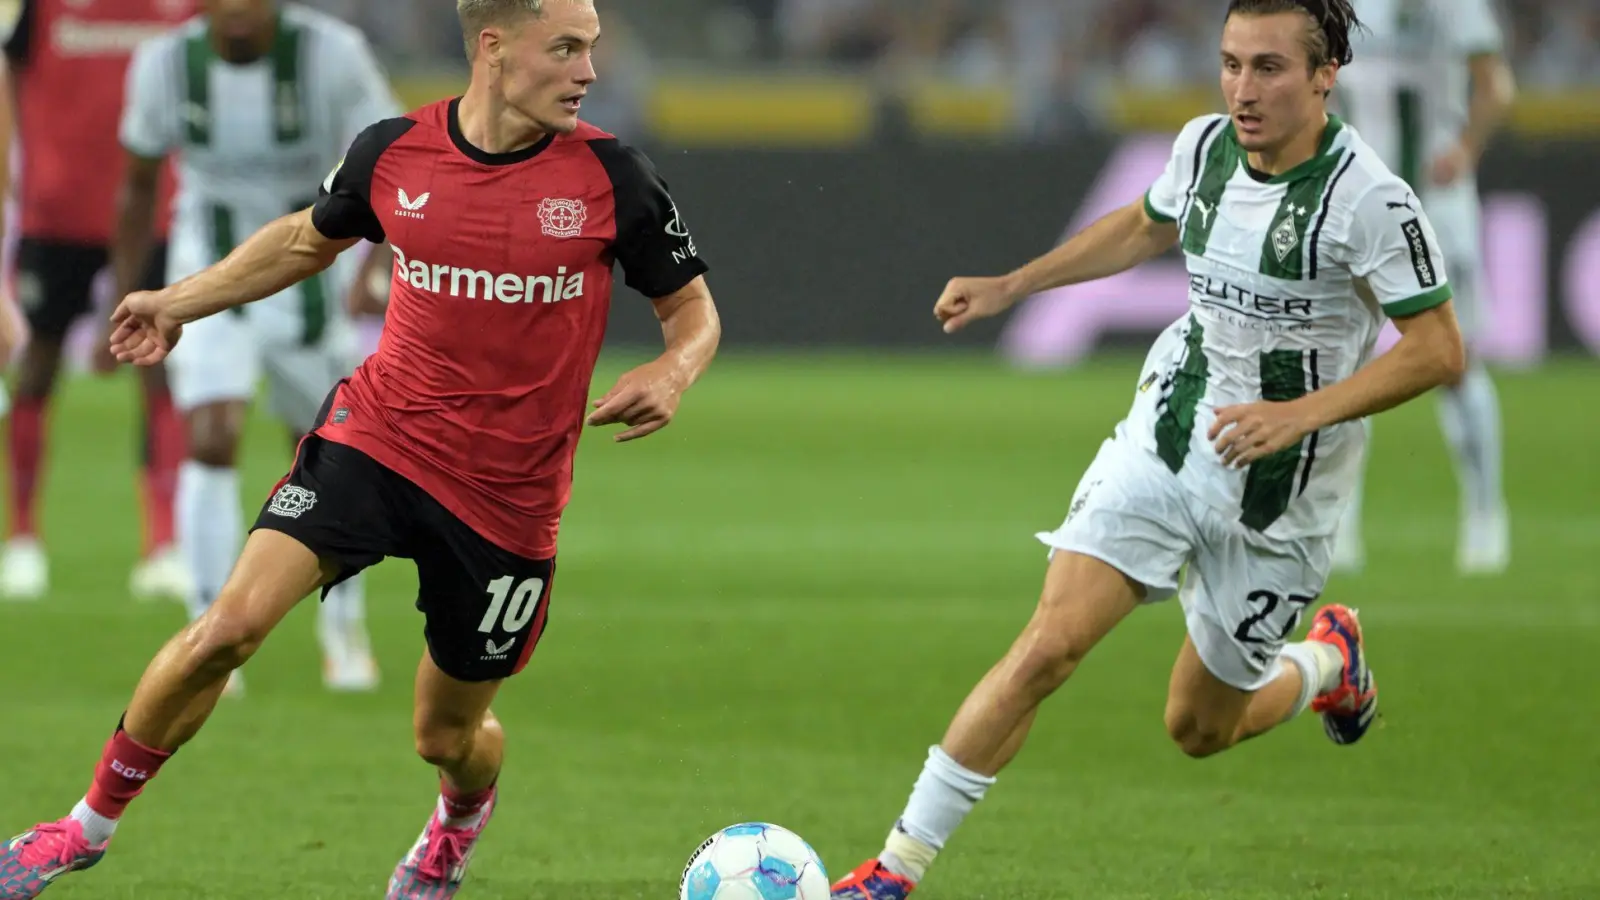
point(1059, 57)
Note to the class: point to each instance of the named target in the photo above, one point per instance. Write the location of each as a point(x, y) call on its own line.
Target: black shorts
point(485, 606)
point(55, 281)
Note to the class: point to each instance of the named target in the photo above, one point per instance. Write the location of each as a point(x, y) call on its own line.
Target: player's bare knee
point(446, 746)
point(1201, 744)
point(213, 431)
point(1196, 738)
point(1043, 662)
point(490, 729)
point(213, 447)
point(37, 369)
point(221, 642)
point(447, 742)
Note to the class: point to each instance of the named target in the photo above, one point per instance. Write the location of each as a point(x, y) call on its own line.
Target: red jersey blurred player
point(66, 61)
point(453, 444)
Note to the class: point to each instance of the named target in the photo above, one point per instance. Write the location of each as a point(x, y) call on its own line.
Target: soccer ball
point(754, 861)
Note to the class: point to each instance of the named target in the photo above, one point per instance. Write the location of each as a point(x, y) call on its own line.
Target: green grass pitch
point(770, 610)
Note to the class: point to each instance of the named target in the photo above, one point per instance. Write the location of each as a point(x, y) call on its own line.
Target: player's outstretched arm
point(1394, 254)
point(1114, 244)
point(1429, 354)
point(284, 253)
point(691, 328)
point(647, 397)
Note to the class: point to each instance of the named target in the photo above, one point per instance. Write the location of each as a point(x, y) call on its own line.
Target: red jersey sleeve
point(657, 253)
point(344, 202)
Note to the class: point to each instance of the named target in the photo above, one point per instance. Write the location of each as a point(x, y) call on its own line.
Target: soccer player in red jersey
point(453, 444)
point(66, 62)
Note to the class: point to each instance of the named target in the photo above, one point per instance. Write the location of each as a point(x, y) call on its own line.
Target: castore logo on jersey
point(410, 208)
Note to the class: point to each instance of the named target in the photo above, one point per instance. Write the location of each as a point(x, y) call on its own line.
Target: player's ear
point(1326, 78)
point(491, 46)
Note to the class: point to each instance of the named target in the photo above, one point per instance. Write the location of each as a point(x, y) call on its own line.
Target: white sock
point(463, 822)
point(96, 828)
point(208, 519)
point(943, 796)
point(1320, 667)
point(342, 620)
point(1470, 418)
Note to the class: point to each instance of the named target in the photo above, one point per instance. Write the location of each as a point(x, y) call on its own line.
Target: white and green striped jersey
point(1409, 89)
point(1290, 278)
point(254, 141)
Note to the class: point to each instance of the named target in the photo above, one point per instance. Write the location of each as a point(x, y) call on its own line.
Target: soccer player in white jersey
point(1245, 435)
point(1432, 87)
point(257, 100)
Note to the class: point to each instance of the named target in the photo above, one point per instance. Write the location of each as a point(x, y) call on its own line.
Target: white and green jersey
point(253, 142)
point(1409, 89)
point(1290, 278)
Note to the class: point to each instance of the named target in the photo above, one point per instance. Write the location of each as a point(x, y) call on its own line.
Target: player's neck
point(244, 52)
point(492, 126)
point(1293, 152)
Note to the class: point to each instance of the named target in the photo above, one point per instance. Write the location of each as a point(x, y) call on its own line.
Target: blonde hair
point(476, 15)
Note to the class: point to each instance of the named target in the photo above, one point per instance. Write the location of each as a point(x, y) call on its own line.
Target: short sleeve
point(654, 246)
point(1471, 27)
point(1164, 201)
point(368, 96)
point(149, 124)
point(344, 202)
point(1393, 249)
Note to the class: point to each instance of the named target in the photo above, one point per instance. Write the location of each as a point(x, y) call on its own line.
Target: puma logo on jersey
point(1404, 204)
point(476, 284)
point(409, 207)
point(1205, 211)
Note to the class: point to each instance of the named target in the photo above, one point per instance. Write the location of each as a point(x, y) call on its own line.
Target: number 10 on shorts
point(518, 605)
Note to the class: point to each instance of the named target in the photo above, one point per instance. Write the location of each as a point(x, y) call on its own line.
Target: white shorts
point(1243, 594)
point(223, 357)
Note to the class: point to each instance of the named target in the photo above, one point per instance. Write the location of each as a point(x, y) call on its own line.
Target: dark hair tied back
point(1335, 19)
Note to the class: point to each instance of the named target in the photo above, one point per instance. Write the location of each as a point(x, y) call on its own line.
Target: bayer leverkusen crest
point(562, 218)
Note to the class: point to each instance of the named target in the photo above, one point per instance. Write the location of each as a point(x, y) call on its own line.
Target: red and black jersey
point(502, 283)
point(68, 60)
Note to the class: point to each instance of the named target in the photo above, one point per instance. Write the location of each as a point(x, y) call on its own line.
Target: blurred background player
point(258, 101)
point(13, 325)
point(66, 64)
point(1432, 87)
